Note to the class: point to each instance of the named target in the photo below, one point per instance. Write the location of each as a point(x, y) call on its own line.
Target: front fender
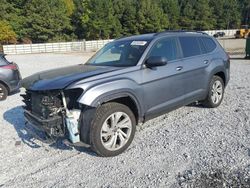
point(104, 92)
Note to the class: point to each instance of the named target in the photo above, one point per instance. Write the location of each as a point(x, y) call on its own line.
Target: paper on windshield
point(138, 43)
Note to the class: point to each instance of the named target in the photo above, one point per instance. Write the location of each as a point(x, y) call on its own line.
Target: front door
point(163, 85)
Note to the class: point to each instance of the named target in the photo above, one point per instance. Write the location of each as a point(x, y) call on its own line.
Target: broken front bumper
point(53, 127)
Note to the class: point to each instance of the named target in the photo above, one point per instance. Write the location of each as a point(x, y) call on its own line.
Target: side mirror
point(156, 61)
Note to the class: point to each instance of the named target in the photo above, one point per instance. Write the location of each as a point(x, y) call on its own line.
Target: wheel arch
point(123, 97)
point(88, 114)
point(222, 75)
point(128, 101)
point(221, 72)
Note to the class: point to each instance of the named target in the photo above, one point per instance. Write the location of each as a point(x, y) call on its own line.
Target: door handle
point(206, 62)
point(179, 68)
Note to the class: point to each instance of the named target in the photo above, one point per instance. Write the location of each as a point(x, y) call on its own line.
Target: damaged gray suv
point(129, 81)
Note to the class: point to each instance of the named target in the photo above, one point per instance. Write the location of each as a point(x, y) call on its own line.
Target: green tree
point(7, 35)
point(99, 20)
point(232, 14)
point(129, 19)
point(55, 20)
point(227, 13)
point(187, 20)
point(77, 22)
point(218, 13)
point(47, 21)
point(12, 14)
point(16, 18)
point(70, 6)
point(244, 6)
point(203, 15)
point(198, 14)
point(172, 9)
point(150, 17)
point(5, 9)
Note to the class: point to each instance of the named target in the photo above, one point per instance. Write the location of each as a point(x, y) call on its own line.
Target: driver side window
point(165, 48)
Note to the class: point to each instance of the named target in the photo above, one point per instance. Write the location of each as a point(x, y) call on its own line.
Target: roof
point(151, 36)
point(146, 37)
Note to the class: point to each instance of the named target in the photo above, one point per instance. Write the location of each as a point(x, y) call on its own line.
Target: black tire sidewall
point(209, 101)
point(102, 113)
point(5, 91)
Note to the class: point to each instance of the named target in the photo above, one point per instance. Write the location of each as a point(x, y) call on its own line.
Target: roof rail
point(180, 31)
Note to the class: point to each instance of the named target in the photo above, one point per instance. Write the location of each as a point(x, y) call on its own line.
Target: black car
point(219, 34)
point(9, 77)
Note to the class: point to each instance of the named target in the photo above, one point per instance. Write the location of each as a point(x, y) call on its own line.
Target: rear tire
point(3, 92)
point(112, 129)
point(215, 93)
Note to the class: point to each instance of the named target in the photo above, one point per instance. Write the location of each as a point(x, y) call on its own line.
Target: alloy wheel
point(116, 131)
point(217, 92)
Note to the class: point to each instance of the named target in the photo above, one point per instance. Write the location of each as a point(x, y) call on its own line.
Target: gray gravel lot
point(189, 147)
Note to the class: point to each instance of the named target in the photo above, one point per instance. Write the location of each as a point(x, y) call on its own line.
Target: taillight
point(10, 67)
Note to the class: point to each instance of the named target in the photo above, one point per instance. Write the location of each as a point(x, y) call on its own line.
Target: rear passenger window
point(190, 46)
point(209, 44)
point(165, 48)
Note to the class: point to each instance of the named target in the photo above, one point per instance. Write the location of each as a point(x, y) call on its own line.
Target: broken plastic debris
point(18, 143)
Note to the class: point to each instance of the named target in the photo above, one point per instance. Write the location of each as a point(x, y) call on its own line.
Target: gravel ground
point(189, 147)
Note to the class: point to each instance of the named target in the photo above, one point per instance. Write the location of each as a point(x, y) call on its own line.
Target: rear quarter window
point(190, 46)
point(209, 44)
point(202, 46)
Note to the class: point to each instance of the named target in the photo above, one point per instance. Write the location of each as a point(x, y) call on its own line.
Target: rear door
point(195, 60)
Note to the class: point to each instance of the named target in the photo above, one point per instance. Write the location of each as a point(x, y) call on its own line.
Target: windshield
point(119, 54)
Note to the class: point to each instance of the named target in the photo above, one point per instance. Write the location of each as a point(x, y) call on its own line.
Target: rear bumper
point(12, 78)
point(52, 126)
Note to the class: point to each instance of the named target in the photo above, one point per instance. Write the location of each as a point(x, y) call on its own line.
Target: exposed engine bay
point(57, 113)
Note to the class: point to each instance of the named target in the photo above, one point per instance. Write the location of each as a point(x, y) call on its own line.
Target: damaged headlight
point(71, 96)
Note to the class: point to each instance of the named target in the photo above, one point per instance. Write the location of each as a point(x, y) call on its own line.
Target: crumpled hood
point(62, 77)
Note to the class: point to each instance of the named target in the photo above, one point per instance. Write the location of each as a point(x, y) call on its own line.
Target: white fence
point(73, 46)
point(55, 47)
point(228, 33)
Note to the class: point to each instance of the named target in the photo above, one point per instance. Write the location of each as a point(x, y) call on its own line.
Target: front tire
point(215, 93)
point(3, 92)
point(112, 129)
